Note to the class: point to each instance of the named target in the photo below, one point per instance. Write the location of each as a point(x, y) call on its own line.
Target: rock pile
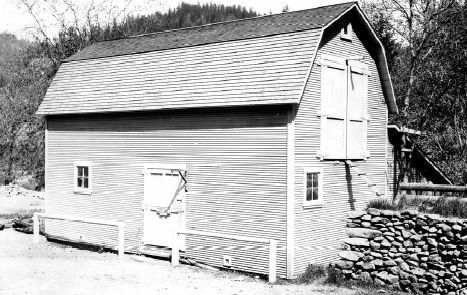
point(13, 190)
point(406, 250)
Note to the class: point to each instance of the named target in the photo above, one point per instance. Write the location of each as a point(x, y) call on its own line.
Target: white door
point(163, 188)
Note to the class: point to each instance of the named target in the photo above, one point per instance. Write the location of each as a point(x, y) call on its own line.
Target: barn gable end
point(319, 230)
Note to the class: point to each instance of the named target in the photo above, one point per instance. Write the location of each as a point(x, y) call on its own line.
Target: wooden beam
point(432, 187)
point(290, 220)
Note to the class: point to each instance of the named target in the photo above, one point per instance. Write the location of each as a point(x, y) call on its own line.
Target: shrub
point(312, 273)
point(335, 277)
point(382, 204)
point(444, 206)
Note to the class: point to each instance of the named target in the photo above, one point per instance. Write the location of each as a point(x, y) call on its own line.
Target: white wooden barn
point(258, 116)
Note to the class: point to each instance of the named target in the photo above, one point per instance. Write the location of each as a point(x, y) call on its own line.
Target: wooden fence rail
point(433, 198)
point(118, 224)
point(272, 247)
point(432, 187)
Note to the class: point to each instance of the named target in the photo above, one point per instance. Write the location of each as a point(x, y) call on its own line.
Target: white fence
point(118, 224)
point(272, 247)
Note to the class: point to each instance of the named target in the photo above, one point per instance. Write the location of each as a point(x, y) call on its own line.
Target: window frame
point(76, 188)
point(320, 201)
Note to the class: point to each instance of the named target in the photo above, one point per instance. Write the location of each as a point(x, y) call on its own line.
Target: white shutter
point(357, 115)
point(334, 100)
point(344, 118)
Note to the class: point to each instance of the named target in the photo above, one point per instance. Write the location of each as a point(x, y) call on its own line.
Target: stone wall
point(422, 253)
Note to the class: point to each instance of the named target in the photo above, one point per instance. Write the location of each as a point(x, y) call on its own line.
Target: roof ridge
point(229, 21)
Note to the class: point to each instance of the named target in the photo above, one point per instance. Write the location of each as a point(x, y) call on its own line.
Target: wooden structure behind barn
point(271, 127)
point(421, 169)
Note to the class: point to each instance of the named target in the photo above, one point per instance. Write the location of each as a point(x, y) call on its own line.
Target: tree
point(416, 23)
point(440, 97)
point(25, 80)
point(428, 67)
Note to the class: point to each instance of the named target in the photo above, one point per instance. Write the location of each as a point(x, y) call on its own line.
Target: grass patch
point(330, 275)
point(20, 214)
point(444, 206)
point(382, 204)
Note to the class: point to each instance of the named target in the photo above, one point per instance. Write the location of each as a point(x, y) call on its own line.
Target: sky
point(14, 18)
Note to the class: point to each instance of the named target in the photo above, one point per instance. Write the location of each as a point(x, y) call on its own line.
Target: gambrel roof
point(257, 61)
point(219, 32)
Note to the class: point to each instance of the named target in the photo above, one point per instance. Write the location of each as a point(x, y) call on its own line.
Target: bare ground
point(50, 268)
point(16, 201)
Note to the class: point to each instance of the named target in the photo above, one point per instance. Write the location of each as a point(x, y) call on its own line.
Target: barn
point(268, 128)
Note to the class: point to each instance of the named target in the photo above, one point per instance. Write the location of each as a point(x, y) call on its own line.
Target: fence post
point(35, 219)
point(121, 240)
point(272, 260)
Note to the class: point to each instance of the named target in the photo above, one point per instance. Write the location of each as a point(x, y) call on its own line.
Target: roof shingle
point(214, 33)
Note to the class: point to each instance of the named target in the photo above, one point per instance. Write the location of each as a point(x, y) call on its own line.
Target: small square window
point(313, 187)
point(346, 32)
point(82, 175)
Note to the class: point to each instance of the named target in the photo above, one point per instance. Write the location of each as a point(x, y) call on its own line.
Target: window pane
point(86, 171)
point(80, 171)
point(309, 194)
point(309, 181)
point(312, 186)
point(315, 194)
point(86, 183)
point(80, 182)
point(315, 179)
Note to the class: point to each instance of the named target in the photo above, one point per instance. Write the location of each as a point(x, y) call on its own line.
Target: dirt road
point(49, 268)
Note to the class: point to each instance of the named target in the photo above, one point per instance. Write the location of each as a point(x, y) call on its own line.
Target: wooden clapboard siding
point(236, 162)
point(320, 230)
point(268, 70)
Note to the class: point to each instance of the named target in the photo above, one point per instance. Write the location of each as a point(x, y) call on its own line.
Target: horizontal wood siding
point(236, 162)
point(320, 230)
point(268, 70)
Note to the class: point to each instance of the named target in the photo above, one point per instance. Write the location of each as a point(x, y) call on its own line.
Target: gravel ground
point(14, 199)
point(50, 268)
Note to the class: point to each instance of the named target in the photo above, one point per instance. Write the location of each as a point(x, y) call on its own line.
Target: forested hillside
point(425, 43)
